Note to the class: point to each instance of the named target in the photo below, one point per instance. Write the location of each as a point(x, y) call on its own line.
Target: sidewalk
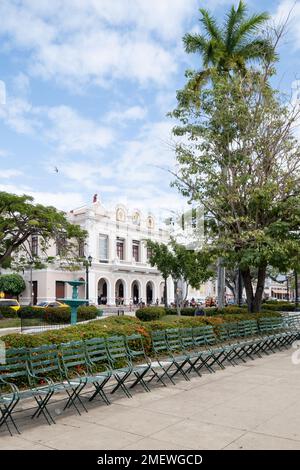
point(250, 406)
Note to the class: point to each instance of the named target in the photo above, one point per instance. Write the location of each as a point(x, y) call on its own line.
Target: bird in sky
point(56, 169)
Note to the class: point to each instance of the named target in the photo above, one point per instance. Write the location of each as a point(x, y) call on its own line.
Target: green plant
point(59, 315)
point(150, 313)
point(12, 284)
point(7, 312)
point(279, 306)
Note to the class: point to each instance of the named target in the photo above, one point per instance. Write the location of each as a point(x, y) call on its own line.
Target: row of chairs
point(192, 349)
point(41, 372)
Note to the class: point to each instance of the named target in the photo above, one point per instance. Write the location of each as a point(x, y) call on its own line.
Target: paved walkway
point(250, 406)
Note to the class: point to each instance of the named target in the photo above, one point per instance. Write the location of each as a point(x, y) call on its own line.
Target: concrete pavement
point(250, 406)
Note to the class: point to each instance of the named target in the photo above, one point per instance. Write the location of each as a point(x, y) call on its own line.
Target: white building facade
point(120, 273)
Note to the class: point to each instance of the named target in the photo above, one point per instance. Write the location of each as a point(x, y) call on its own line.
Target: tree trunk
point(261, 278)
point(166, 294)
point(177, 298)
point(247, 279)
point(221, 283)
point(254, 300)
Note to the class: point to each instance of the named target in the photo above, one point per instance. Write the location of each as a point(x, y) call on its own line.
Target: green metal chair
point(16, 370)
point(163, 357)
point(142, 364)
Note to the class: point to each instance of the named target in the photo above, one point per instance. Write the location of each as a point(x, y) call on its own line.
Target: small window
point(103, 248)
point(120, 248)
point(136, 250)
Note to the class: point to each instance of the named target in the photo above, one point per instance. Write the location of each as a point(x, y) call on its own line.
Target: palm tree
point(228, 48)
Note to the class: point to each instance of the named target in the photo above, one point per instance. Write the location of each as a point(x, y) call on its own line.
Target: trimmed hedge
point(150, 313)
point(211, 311)
point(60, 315)
point(279, 306)
point(124, 325)
point(7, 312)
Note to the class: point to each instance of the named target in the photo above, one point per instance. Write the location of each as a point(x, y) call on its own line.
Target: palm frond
point(234, 18)
point(194, 43)
point(257, 49)
point(248, 27)
point(210, 25)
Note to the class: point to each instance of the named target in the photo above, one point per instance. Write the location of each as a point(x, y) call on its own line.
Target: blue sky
point(88, 85)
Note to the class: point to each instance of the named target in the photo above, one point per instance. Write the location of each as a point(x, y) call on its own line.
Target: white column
point(93, 288)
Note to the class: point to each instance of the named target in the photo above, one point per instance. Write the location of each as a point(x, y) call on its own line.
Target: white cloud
point(61, 200)
point(62, 126)
point(20, 115)
point(4, 153)
point(134, 113)
point(9, 173)
point(82, 42)
point(71, 132)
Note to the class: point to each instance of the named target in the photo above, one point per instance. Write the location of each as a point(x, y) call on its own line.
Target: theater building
point(120, 272)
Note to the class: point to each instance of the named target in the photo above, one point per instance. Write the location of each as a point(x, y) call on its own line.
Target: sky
point(85, 89)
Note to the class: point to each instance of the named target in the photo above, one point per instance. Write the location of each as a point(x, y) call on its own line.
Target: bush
point(150, 313)
point(60, 315)
point(87, 312)
point(279, 306)
point(12, 284)
point(7, 312)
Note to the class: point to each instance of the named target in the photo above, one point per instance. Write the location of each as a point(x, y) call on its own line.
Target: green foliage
point(58, 315)
point(12, 284)
point(150, 313)
point(233, 166)
point(225, 49)
point(120, 326)
point(7, 312)
point(279, 306)
point(20, 218)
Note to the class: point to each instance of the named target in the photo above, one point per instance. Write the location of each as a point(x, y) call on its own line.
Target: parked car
point(53, 304)
point(12, 303)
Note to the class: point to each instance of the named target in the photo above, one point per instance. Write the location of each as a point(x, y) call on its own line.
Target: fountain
point(74, 302)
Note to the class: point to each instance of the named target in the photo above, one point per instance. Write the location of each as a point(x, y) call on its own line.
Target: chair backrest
point(174, 339)
point(135, 347)
point(96, 351)
point(159, 341)
point(73, 355)
point(269, 325)
point(16, 365)
point(224, 332)
point(187, 338)
point(292, 320)
point(44, 360)
point(117, 351)
point(201, 335)
point(248, 328)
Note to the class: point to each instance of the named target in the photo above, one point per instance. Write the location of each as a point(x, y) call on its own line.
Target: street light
point(87, 263)
point(296, 291)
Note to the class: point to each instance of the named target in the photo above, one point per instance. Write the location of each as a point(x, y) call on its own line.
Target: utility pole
point(240, 287)
point(296, 291)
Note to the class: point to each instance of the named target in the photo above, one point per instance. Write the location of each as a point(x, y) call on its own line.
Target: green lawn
point(9, 322)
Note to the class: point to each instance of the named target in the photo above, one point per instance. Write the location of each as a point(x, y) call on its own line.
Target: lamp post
point(296, 291)
point(240, 287)
point(88, 263)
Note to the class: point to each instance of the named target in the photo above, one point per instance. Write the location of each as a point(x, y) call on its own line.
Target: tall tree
point(20, 219)
point(225, 48)
point(241, 160)
point(175, 260)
